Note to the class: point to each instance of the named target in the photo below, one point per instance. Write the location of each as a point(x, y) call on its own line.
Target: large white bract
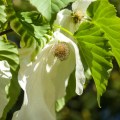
point(44, 81)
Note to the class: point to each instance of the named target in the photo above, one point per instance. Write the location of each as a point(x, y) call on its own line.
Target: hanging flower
point(5, 76)
point(71, 19)
point(44, 81)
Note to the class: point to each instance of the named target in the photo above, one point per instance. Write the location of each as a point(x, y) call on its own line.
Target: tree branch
point(5, 32)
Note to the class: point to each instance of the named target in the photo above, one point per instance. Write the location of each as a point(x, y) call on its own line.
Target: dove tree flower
point(71, 19)
point(44, 81)
point(5, 76)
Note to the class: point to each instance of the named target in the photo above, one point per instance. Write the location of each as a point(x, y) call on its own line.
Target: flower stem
point(65, 30)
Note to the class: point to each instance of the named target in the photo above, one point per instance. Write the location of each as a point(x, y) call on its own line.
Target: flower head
point(61, 51)
point(44, 81)
point(71, 19)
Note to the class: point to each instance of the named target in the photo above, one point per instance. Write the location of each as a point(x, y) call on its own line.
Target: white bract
point(44, 81)
point(71, 19)
point(5, 76)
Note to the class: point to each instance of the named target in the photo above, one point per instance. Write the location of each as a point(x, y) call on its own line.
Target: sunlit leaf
point(25, 25)
point(95, 50)
point(8, 52)
point(51, 7)
point(2, 16)
point(103, 14)
point(5, 76)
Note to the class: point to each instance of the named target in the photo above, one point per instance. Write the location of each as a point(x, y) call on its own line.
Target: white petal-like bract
point(81, 5)
point(71, 19)
point(44, 81)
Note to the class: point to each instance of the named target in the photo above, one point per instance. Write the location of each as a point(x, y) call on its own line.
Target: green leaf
point(1, 2)
point(103, 14)
point(49, 8)
point(32, 17)
point(23, 5)
point(5, 77)
point(24, 24)
point(95, 50)
point(2, 16)
point(8, 52)
point(60, 104)
point(70, 90)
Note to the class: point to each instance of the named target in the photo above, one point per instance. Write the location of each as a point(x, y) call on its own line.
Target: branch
point(5, 32)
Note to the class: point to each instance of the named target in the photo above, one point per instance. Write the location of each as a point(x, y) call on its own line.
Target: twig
point(5, 32)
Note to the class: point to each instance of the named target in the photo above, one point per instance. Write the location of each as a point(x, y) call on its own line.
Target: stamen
point(77, 16)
